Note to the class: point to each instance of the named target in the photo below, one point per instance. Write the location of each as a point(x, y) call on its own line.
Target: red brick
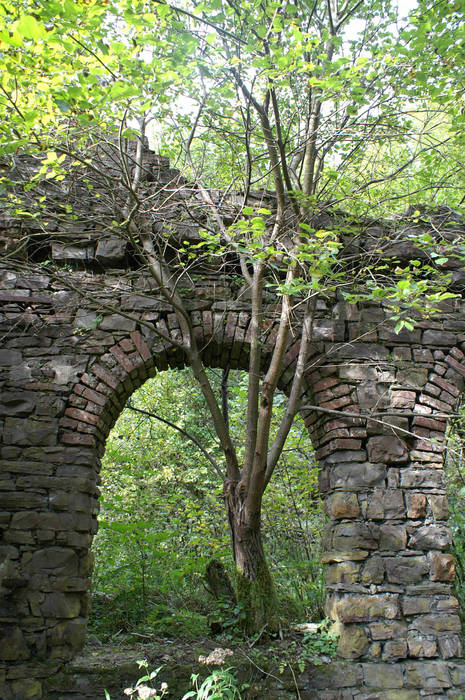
point(337, 403)
point(434, 403)
point(458, 354)
point(103, 389)
point(429, 423)
point(94, 396)
point(127, 345)
point(326, 395)
point(339, 444)
point(77, 425)
point(432, 389)
point(122, 358)
point(333, 434)
point(78, 439)
point(335, 424)
point(456, 365)
point(83, 416)
point(448, 398)
point(326, 383)
point(105, 376)
point(428, 445)
point(448, 386)
point(403, 399)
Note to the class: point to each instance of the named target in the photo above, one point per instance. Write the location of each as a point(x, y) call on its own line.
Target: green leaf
point(62, 105)
point(29, 28)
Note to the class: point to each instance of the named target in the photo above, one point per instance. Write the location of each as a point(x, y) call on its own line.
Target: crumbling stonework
point(76, 344)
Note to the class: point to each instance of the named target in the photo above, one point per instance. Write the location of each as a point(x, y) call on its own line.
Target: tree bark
point(256, 594)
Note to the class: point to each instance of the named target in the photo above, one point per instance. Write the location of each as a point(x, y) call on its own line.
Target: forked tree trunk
point(256, 594)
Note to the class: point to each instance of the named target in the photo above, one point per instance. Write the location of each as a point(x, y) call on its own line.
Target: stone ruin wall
point(68, 363)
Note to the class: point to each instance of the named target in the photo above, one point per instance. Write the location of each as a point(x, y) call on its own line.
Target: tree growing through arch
point(277, 95)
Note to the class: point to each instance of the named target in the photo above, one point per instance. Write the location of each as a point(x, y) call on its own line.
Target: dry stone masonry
point(77, 340)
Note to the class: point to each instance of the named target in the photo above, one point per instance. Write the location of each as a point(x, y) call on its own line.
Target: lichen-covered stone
point(342, 505)
point(431, 536)
point(416, 506)
point(373, 570)
point(420, 646)
point(405, 569)
point(386, 449)
point(392, 537)
point(395, 650)
point(363, 608)
point(442, 567)
point(13, 646)
point(353, 642)
point(382, 675)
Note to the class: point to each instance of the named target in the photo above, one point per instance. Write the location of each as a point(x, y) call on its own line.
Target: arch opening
point(163, 519)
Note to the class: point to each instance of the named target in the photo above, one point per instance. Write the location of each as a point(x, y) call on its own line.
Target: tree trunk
point(255, 589)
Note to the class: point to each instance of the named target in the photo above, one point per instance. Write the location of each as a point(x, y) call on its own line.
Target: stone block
point(441, 338)
point(435, 623)
point(56, 560)
point(364, 608)
point(357, 535)
point(10, 358)
point(405, 569)
point(413, 478)
point(16, 404)
point(372, 396)
point(382, 675)
point(338, 674)
point(450, 647)
point(61, 605)
point(110, 251)
point(442, 567)
point(357, 477)
point(343, 572)
point(353, 642)
point(403, 399)
point(427, 676)
point(393, 629)
point(431, 536)
point(373, 570)
point(348, 555)
point(342, 505)
point(386, 449)
point(385, 504)
point(13, 646)
point(30, 431)
point(116, 322)
point(27, 689)
point(439, 506)
point(419, 646)
point(346, 456)
point(395, 650)
point(71, 633)
point(416, 506)
point(392, 537)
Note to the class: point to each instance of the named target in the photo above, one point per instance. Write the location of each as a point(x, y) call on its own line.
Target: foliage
point(221, 684)
point(162, 519)
point(314, 645)
point(144, 691)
